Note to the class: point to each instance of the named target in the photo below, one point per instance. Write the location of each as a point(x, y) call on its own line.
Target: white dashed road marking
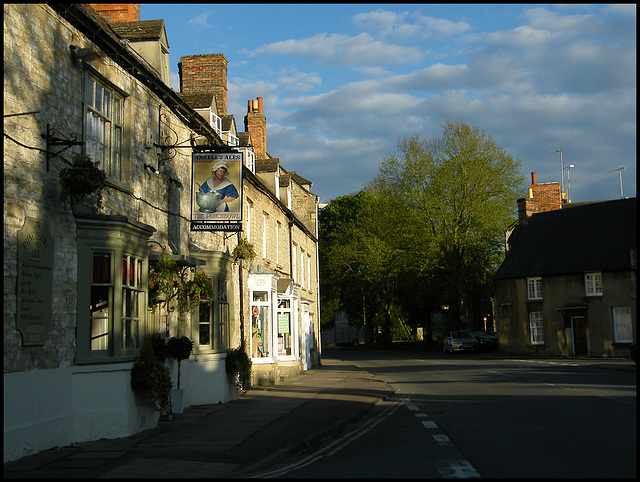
point(450, 469)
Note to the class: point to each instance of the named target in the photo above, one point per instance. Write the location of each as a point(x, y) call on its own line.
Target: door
point(579, 327)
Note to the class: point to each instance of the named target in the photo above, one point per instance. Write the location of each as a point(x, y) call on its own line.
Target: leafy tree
point(458, 190)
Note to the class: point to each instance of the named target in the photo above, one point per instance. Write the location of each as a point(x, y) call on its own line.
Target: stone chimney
point(542, 198)
point(118, 12)
point(205, 73)
point(255, 123)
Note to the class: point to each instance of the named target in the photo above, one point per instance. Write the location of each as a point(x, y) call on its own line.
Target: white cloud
point(200, 21)
point(336, 49)
point(383, 23)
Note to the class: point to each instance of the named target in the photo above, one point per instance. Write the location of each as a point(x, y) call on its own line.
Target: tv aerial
point(620, 169)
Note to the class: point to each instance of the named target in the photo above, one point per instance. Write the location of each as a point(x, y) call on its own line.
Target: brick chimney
point(118, 12)
point(205, 73)
point(255, 123)
point(542, 198)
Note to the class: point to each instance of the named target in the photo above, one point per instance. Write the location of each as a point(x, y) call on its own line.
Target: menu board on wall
point(34, 281)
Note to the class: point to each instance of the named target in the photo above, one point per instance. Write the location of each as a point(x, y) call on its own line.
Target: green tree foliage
point(427, 231)
point(459, 190)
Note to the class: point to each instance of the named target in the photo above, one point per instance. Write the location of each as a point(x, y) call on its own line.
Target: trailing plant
point(244, 250)
point(152, 376)
point(238, 362)
point(167, 281)
point(179, 349)
point(164, 281)
point(198, 290)
point(83, 178)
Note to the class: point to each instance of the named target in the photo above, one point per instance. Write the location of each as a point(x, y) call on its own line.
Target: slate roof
point(198, 100)
point(590, 237)
point(141, 30)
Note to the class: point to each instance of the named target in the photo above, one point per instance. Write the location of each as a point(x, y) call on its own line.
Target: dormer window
point(249, 159)
point(216, 122)
point(231, 139)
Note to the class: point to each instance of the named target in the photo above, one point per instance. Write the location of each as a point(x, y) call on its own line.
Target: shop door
point(579, 325)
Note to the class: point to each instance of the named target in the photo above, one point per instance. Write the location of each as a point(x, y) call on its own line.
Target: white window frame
point(232, 140)
point(249, 159)
point(534, 288)
point(104, 125)
point(593, 283)
point(216, 122)
point(622, 324)
point(536, 328)
point(294, 262)
point(265, 220)
point(278, 230)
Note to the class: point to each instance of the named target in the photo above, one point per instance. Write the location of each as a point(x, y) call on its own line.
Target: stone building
point(84, 83)
point(567, 286)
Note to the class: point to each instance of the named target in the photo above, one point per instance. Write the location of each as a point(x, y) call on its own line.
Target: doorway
point(579, 331)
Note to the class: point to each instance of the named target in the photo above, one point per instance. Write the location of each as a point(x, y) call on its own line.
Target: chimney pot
point(533, 178)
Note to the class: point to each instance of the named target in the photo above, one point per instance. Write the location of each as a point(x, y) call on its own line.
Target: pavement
point(224, 440)
point(234, 439)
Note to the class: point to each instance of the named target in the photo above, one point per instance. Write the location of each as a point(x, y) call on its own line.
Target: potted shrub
point(179, 349)
point(239, 364)
point(152, 376)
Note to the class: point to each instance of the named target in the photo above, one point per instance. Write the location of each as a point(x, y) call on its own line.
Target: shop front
point(274, 341)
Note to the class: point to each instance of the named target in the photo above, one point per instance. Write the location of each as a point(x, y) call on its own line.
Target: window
point(260, 333)
point(534, 288)
point(232, 140)
point(284, 327)
point(249, 218)
point(302, 268)
point(216, 122)
point(213, 320)
point(112, 290)
point(101, 307)
point(536, 328)
point(294, 262)
point(222, 325)
point(265, 219)
point(249, 159)
point(105, 321)
point(593, 284)
point(278, 229)
point(309, 272)
point(622, 324)
point(132, 294)
point(104, 117)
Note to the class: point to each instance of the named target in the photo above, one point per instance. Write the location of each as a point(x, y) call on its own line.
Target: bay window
point(112, 288)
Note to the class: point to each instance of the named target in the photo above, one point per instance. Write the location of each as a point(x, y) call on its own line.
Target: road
point(468, 415)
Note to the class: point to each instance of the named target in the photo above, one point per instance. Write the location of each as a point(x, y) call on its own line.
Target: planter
point(177, 400)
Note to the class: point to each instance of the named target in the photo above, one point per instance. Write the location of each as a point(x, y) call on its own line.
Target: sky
point(343, 83)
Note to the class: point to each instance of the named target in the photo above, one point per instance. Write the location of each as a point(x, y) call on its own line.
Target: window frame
point(110, 146)
point(622, 326)
point(119, 238)
point(536, 328)
point(534, 288)
point(593, 283)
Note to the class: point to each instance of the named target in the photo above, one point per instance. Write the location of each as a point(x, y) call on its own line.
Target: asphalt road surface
point(467, 415)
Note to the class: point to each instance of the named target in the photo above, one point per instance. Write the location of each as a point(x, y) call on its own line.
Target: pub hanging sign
point(216, 191)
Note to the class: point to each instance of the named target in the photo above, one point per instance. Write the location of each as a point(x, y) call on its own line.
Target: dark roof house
point(567, 286)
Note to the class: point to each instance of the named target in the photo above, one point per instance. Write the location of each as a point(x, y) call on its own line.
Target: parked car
point(486, 341)
point(460, 341)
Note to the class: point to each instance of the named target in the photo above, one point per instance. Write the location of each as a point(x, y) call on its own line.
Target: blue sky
point(342, 83)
